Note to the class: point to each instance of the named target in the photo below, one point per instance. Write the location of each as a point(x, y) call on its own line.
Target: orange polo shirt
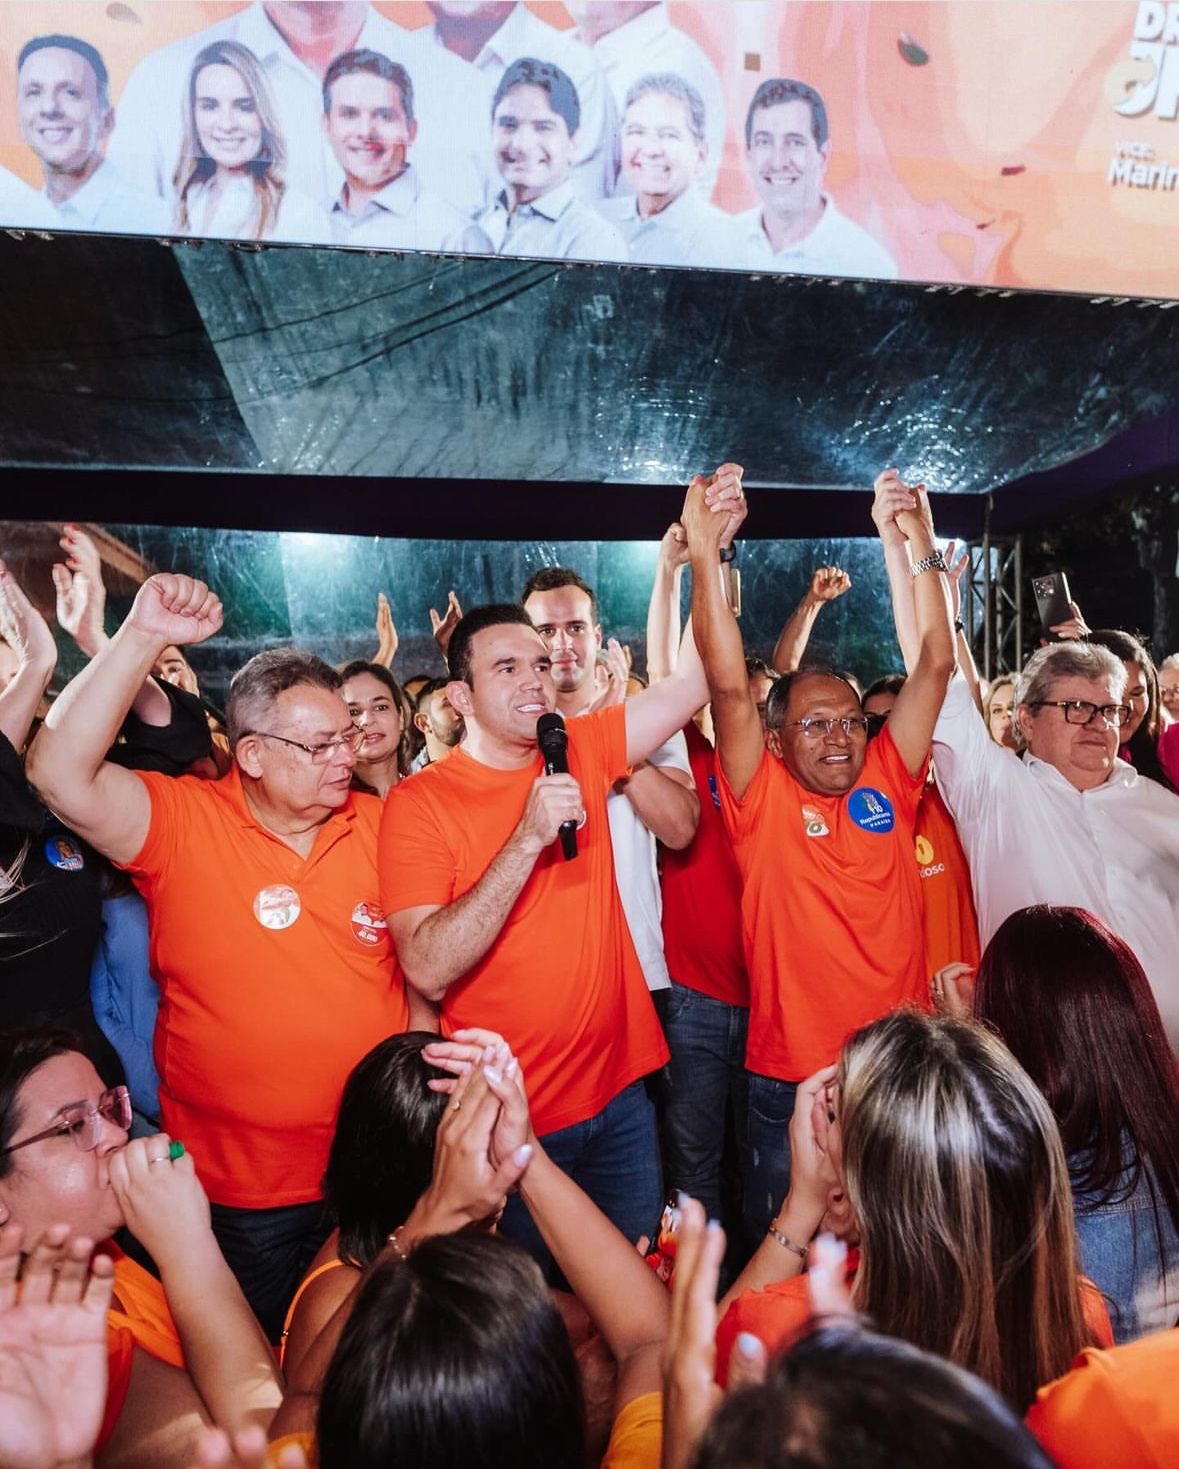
point(276, 976)
point(139, 1317)
point(561, 982)
point(951, 925)
point(831, 909)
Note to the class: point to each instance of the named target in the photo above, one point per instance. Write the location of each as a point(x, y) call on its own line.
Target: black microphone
point(554, 746)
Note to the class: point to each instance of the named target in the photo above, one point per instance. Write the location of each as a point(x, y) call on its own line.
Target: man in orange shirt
point(492, 923)
point(823, 831)
point(261, 889)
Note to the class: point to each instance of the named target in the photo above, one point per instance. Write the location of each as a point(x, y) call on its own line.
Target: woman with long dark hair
point(1139, 736)
point(1073, 1004)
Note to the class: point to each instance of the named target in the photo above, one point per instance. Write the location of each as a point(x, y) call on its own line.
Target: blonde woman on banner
point(230, 178)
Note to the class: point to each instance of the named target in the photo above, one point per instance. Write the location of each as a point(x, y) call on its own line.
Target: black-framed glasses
point(814, 729)
point(1083, 711)
point(321, 753)
point(82, 1122)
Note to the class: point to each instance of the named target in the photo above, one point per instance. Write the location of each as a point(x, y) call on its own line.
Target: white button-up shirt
point(22, 206)
point(689, 231)
point(451, 105)
point(835, 246)
point(595, 159)
point(557, 226)
point(107, 204)
point(402, 216)
point(1032, 837)
point(648, 44)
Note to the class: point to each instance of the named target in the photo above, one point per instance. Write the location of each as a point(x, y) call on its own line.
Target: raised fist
point(176, 609)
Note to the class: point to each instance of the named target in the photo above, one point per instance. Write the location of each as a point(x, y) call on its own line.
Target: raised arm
point(932, 655)
point(663, 611)
point(654, 715)
point(27, 633)
point(438, 944)
point(387, 639)
point(104, 804)
point(827, 583)
point(735, 718)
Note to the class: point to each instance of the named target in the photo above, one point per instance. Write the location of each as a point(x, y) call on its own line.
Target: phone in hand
point(1053, 600)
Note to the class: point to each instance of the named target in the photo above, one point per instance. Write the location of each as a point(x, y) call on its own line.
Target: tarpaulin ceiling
point(326, 390)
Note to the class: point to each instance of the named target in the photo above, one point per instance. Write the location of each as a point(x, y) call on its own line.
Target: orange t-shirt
point(140, 1318)
point(775, 1314)
point(951, 926)
point(562, 982)
point(276, 976)
point(831, 912)
point(1116, 1407)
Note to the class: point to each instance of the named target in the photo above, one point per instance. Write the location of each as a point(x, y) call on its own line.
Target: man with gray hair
point(1069, 822)
point(664, 217)
point(273, 957)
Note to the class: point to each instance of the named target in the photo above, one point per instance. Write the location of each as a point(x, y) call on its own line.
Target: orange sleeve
point(167, 794)
point(120, 1348)
point(742, 816)
point(1096, 1314)
point(304, 1441)
point(602, 738)
point(636, 1440)
point(772, 1315)
point(904, 787)
point(414, 857)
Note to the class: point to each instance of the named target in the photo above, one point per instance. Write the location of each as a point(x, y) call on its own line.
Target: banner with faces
point(1003, 144)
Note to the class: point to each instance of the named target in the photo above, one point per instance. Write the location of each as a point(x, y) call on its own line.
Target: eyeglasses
point(321, 753)
point(813, 729)
point(1082, 711)
point(82, 1122)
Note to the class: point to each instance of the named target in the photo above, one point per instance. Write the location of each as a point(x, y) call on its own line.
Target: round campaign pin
point(277, 906)
point(368, 924)
point(65, 854)
point(871, 809)
point(814, 822)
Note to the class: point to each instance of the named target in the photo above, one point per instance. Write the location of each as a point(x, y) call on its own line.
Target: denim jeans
point(1120, 1253)
point(614, 1157)
point(269, 1251)
point(707, 1074)
point(771, 1106)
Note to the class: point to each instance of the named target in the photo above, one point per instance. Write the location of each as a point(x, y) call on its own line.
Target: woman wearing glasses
point(182, 1350)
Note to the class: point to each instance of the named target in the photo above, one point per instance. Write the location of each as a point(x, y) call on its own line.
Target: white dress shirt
point(403, 216)
point(636, 870)
point(107, 204)
point(1032, 837)
point(649, 43)
point(557, 226)
point(450, 105)
point(22, 207)
point(595, 160)
point(232, 214)
point(835, 246)
point(688, 231)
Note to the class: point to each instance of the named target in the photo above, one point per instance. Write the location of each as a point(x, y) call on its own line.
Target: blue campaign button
point(871, 809)
point(65, 854)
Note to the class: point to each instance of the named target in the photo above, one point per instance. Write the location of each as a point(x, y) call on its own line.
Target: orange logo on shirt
point(368, 923)
point(924, 851)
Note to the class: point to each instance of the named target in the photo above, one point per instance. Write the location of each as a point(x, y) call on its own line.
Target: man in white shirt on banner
point(658, 800)
point(490, 37)
point(535, 125)
point(797, 227)
point(66, 117)
point(663, 216)
point(369, 122)
point(295, 43)
point(635, 38)
point(1070, 822)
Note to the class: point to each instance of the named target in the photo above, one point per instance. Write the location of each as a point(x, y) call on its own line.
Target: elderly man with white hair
point(1068, 821)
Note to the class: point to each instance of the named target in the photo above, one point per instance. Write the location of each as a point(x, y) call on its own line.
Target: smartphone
point(1052, 601)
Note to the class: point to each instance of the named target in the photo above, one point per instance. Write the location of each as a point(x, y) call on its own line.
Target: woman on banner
point(230, 176)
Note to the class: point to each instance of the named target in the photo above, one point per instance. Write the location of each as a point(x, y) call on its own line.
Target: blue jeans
point(707, 1073)
point(269, 1251)
point(614, 1157)
point(771, 1106)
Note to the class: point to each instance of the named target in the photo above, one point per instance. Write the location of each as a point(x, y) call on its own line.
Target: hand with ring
point(952, 990)
point(164, 1208)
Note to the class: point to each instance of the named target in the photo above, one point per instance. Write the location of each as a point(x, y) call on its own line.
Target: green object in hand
point(175, 1150)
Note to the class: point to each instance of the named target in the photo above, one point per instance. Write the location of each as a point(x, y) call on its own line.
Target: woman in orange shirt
point(956, 1179)
point(182, 1350)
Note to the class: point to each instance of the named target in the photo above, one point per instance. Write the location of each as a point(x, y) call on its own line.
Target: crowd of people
point(550, 1064)
point(488, 131)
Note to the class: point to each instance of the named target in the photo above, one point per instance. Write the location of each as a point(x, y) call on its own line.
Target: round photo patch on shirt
point(814, 822)
point(277, 906)
point(368, 924)
point(65, 854)
point(871, 809)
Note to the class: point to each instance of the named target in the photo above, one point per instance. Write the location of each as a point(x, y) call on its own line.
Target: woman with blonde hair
point(947, 1163)
point(229, 179)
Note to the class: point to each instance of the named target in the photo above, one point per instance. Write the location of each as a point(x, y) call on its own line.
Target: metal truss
point(992, 603)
